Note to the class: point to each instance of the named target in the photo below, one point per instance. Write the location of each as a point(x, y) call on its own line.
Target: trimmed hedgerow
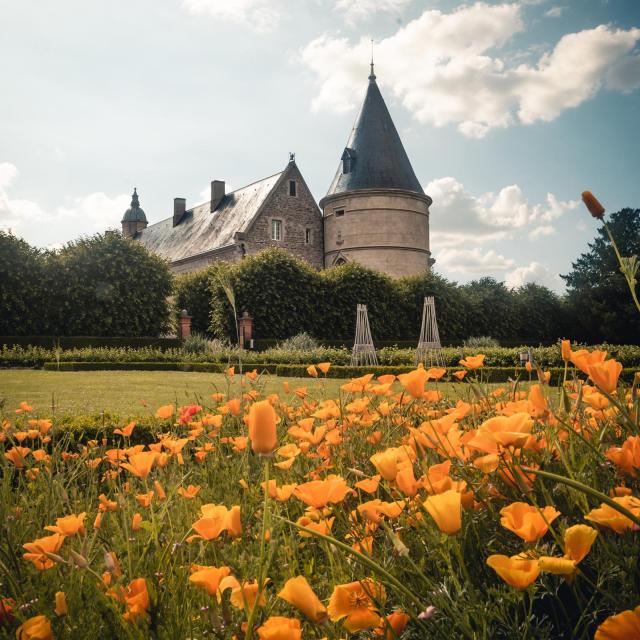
point(17, 356)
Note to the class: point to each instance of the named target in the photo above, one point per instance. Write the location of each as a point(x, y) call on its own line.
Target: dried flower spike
point(591, 202)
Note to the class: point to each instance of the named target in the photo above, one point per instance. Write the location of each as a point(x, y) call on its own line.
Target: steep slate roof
point(201, 231)
point(375, 150)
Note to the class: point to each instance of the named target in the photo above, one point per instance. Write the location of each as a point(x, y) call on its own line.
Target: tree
point(347, 285)
point(108, 285)
point(451, 310)
point(597, 293)
point(192, 292)
point(540, 314)
point(279, 291)
point(21, 287)
point(492, 310)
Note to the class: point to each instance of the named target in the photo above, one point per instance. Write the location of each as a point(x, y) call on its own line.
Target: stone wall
point(382, 230)
point(297, 213)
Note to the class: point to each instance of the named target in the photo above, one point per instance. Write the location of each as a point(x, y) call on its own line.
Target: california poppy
point(298, 593)
point(262, 427)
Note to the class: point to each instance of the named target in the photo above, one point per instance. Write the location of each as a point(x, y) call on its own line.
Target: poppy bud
point(61, 604)
point(591, 202)
point(262, 427)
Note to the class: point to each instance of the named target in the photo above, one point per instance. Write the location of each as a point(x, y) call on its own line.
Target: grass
point(137, 392)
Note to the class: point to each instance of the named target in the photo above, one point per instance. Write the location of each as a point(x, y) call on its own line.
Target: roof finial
point(372, 76)
point(134, 198)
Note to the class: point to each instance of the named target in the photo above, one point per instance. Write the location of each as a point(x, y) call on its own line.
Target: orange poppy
point(357, 604)
point(262, 427)
point(518, 572)
point(526, 521)
point(299, 594)
point(622, 626)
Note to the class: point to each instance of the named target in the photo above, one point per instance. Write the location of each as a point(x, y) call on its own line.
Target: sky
point(507, 110)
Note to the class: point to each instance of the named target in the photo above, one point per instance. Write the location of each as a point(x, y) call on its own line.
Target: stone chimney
point(217, 193)
point(179, 208)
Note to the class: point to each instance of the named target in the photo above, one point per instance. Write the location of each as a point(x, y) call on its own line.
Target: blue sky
point(508, 110)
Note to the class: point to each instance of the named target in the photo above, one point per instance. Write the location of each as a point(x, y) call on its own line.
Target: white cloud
point(459, 217)
point(542, 231)
point(533, 272)
point(446, 68)
point(472, 261)
point(357, 9)
point(554, 12)
point(258, 15)
point(79, 215)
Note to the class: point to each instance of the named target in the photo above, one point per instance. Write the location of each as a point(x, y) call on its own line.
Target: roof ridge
point(199, 204)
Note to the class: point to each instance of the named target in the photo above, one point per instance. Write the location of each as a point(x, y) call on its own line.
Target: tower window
point(339, 213)
point(307, 236)
point(276, 230)
point(293, 188)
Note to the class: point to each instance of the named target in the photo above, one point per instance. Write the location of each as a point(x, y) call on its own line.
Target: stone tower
point(375, 212)
point(133, 219)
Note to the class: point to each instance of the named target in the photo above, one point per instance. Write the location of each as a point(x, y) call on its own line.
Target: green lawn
point(127, 392)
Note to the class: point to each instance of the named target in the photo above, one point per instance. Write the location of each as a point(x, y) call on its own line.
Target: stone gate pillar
point(245, 326)
point(184, 325)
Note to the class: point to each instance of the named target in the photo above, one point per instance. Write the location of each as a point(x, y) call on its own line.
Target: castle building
point(375, 212)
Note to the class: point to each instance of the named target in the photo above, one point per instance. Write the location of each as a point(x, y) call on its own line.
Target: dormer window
point(348, 160)
point(293, 188)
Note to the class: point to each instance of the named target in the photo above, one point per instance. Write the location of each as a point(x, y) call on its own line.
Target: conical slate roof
point(374, 157)
point(134, 213)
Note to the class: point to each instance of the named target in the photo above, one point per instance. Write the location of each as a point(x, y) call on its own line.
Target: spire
point(374, 157)
point(372, 75)
point(134, 212)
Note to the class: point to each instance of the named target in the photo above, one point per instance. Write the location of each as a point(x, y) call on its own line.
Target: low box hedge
point(203, 367)
point(81, 342)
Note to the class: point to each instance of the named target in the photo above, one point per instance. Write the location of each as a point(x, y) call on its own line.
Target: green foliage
point(481, 342)
point(491, 308)
point(104, 285)
point(18, 356)
point(451, 307)
point(22, 286)
point(300, 342)
point(80, 342)
point(540, 315)
point(600, 305)
point(286, 297)
point(192, 292)
point(112, 286)
point(279, 291)
point(347, 285)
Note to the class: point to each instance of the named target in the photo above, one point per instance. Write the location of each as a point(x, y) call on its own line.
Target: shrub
point(279, 291)
point(481, 342)
point(300, 342)
point(22, 287)
point(192, 292)
point(108, 285)
point(195, 343)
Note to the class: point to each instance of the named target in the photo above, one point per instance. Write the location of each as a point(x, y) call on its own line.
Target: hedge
point(203, 367)
point(489, 374)
point(103, 285)
point(81, 342)
point(286, 297)
point(16, 356)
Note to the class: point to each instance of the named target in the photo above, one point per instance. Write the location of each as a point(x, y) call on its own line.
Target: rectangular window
point(292, 188)
point(276, 229)
point(339, 212)
point(307, 236)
